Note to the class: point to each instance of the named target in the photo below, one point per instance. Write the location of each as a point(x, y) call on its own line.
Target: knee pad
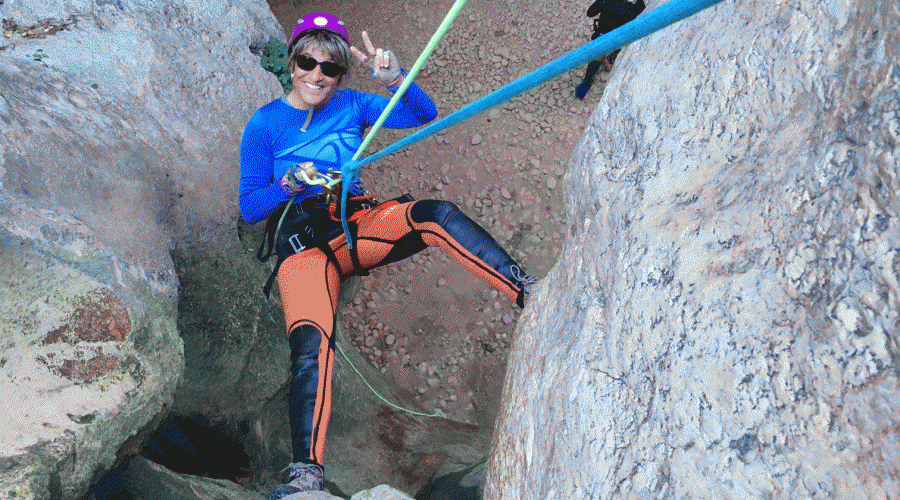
point(305, 341)
point(437, 211)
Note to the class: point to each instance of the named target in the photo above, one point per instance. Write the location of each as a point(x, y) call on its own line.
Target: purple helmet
point(322, 21)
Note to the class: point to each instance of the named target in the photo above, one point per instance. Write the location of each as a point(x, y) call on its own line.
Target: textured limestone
point(381, 492)
point(146, 480)
point(114, 120)
point(90, 352)
point(722, 321)
point(119, 139)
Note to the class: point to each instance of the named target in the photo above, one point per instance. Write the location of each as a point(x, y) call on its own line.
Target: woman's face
point(312, 88)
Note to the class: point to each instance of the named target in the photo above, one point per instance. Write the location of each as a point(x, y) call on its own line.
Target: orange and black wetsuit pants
point(309, 282)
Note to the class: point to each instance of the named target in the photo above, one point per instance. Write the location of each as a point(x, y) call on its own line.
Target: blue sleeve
point(259, 194)
point(414, 109)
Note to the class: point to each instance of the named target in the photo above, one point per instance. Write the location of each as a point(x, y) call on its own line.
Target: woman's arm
point(414, 109)
point(416, 103)
point(258, 194)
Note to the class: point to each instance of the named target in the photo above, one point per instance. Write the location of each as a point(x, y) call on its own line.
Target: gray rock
point(118, 142)
point(146, 480)
point(381, 492)
point(722, 319)
point(90, 351)
point(457, 482)
point(196, 192)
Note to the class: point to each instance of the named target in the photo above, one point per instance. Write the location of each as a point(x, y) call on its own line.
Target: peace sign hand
point(383, 63)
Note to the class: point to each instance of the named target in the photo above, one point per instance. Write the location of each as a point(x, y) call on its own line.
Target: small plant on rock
point(275, 60)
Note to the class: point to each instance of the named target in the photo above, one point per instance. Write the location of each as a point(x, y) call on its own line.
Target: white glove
point(390, 75)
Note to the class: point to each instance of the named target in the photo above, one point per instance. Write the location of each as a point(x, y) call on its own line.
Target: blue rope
point(650, 21)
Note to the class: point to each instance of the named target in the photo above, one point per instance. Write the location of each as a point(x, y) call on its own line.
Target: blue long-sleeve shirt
point(274, 140)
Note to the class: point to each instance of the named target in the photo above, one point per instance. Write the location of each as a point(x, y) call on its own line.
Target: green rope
point(378, 395)
point(411, 75)
point(347, 173)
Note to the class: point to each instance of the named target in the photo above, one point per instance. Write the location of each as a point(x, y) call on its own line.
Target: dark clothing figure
point(609, 15)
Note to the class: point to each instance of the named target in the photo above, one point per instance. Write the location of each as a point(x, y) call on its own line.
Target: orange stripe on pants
point(309, 287)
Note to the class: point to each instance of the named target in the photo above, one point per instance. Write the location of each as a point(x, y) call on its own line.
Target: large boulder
point(119, 135)
point(723, 320)
point(90, 352)
point(146, 480)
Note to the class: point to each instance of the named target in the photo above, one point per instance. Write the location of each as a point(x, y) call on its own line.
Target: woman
point(318, 125)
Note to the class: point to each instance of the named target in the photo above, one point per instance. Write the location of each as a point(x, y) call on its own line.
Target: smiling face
point(312, 89)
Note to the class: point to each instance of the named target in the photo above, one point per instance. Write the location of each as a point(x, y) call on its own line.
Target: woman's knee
point(305, 342)
point(437, 211)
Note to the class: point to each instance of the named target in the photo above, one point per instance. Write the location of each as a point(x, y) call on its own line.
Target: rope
point(649, 22)
point(348, 173)
point(378, 395)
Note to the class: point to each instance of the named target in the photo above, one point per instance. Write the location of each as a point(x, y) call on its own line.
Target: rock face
point(149, 481)
point(119, 132)
point(723, 320)
point(90, 352)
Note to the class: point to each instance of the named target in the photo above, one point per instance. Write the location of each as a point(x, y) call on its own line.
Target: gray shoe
point(304, 477)
point(526, 284)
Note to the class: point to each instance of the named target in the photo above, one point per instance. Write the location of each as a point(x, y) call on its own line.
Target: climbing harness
point(645, 24)
point(310, 223)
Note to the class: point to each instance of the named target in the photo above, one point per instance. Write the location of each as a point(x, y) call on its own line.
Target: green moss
point(275, 61)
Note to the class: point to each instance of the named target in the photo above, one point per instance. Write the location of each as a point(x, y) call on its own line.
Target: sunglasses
point(329, 68)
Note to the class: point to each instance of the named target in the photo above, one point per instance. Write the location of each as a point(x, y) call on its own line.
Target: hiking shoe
point(304, 477)
point(529, 285)
point(526, 284)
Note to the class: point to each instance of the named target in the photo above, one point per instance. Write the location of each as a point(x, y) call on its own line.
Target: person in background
point(609, 15)
point(307, 134)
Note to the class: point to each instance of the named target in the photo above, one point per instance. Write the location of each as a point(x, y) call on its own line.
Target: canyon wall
point(722, 322)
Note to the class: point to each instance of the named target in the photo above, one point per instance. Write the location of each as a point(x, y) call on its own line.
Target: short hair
point(324, 40)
